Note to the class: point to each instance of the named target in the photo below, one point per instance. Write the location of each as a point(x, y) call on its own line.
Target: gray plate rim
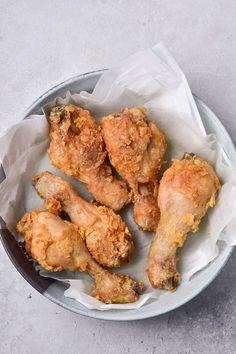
point(99, 314)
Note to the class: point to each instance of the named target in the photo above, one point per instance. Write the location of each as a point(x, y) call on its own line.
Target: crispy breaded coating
point(106, 235)
point(77, 148)
point(187, 189)
point(57, 244)
point(136, 149)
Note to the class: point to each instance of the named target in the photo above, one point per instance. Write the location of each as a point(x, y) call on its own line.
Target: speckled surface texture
point(45, 42)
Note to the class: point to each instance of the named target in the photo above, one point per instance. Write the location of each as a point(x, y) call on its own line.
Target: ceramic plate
point(54, 290)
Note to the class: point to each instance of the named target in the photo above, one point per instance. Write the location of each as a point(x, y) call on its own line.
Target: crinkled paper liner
point(150, 78)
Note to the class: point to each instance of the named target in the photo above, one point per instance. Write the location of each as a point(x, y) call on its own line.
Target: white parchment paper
point(150, 78)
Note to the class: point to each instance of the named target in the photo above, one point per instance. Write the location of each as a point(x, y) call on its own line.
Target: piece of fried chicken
point(187, 189)
point(136, 149)
point(57, 244)
point(106, 235)
point(77, 148)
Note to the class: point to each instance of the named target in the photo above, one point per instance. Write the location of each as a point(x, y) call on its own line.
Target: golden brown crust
point(106, 235)
point(115, 247)
point(187, 189)
point(76, 141)
point(39, 241)
point(57, 244)
point(53, 205)
point(136, 148)
point(116, 288)
point(77, 148)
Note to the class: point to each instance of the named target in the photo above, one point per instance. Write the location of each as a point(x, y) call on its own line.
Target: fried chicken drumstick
point(106, 235)
point(77, 149)
point(187, 189)
point(57, 244)
point(136, 149)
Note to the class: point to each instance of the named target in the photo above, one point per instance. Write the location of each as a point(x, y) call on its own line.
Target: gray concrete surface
point(45, 42)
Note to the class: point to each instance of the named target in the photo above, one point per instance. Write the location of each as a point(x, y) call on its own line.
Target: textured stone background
point(45, 42)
